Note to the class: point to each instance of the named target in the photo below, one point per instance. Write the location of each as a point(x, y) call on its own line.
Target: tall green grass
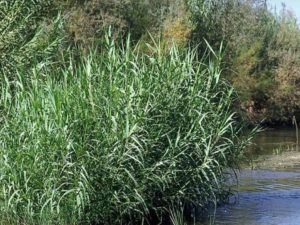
point(26, 36)
point(121, 137)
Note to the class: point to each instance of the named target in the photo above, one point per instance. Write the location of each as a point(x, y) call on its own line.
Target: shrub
point(261, 57)
point(177, 26)
point(87, 21)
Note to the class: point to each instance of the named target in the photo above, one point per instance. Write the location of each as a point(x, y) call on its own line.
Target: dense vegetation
point(262, 45)
point(121, 137)
point(262, 54)
point(117, 112)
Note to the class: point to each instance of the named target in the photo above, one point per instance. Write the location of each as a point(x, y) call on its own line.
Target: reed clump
point(118, 138)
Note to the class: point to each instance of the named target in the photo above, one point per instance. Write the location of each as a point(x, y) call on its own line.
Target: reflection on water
point(265, 196)
point(265, 142)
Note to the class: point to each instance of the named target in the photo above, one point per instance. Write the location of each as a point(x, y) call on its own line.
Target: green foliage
point(285, 52)
point(262, 53)
point(87, 21)
point(121, 137)
point(262, 48)
point(113, 136)
point(25, 36)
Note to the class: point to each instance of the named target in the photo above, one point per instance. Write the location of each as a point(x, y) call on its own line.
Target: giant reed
point(120, 137)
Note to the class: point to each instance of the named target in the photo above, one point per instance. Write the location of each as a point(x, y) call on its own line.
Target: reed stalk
point(297, 135)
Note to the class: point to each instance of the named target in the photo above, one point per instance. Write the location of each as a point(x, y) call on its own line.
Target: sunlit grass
point(117, 138)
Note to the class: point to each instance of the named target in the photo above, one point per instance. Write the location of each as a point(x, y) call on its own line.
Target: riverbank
point(268, 188)
point(120, 112)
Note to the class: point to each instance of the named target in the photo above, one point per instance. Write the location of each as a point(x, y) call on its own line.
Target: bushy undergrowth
point(87, 21)
point(261, 57)
point(121, 137)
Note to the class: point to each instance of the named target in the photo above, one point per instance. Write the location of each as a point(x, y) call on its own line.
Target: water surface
point(269, 189)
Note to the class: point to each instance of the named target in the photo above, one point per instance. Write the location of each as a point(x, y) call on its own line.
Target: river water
point(269, 187)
